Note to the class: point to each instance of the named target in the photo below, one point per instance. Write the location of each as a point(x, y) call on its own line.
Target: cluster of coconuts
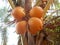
point(34, 23)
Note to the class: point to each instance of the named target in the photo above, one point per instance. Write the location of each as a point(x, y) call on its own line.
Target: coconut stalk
point(47, 6)
point(38, 2)
point(28, 6)
point(11, 3)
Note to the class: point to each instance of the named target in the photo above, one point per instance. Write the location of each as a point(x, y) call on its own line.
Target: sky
point(3, 4)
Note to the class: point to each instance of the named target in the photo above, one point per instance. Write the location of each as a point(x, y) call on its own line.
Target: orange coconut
point(18, 13)
point(37, 12)
point(35, 25)
point(21, 27)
